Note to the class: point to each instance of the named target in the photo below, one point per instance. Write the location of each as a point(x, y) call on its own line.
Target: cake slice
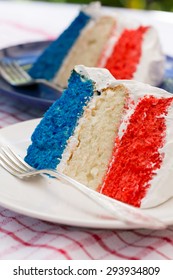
point(103, 38)
point(114, 136)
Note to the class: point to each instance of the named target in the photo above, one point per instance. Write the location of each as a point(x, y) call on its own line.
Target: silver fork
point(16, 76)
point(132, 216)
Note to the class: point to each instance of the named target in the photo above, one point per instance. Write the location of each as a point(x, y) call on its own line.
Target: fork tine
point(14, 169)
point(22, 73)
point(16, 72)
point(9, 166)
point(13, 70)
point(5, 72)
point(8, 71)
point(12, 73)
point(15, 159)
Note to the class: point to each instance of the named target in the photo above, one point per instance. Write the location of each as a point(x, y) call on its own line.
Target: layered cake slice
point(114, 136)
point(100, 38)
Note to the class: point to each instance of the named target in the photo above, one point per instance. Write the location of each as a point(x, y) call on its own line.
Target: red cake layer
point(126, 54)
point(136, 154)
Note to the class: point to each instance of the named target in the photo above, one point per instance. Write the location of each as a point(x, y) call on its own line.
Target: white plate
point(49, 200)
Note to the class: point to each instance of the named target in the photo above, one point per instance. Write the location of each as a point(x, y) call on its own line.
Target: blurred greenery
point(164, 5)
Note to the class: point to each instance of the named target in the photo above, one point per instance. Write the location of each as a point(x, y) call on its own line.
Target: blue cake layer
point(52, 58)
point(50, 137)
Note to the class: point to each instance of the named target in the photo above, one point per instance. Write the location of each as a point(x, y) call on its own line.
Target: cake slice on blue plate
point(103, 38)
point(114, 136)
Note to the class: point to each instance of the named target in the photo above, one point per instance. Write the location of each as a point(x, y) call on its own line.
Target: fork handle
point(125, 213)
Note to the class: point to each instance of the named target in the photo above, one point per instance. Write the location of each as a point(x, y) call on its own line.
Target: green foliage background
point(164, 5)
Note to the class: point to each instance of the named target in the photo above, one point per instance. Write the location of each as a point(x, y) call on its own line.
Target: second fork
point(16, 76)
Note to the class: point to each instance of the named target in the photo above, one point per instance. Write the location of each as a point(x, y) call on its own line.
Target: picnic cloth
point(23, 237)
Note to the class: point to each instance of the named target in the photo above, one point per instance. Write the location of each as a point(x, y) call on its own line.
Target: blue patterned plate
point(42, 97)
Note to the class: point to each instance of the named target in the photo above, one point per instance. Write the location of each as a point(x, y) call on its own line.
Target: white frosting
point(150, 69)
point(161, 185)
point(103, 78)
point(93, 9)
point(100, 76)
point(139, 89)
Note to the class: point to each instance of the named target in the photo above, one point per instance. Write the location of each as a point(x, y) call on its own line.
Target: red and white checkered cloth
point(23, 237)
